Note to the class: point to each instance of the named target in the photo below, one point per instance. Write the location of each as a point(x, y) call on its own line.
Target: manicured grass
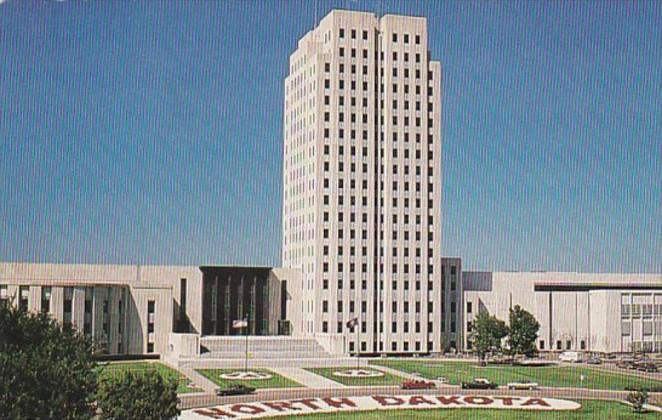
point(559, 376)
point(276, 381)
point(591, 409)
point(117, 368)
point(386, 379)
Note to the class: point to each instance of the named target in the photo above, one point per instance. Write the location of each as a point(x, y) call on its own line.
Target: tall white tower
point(362, 182)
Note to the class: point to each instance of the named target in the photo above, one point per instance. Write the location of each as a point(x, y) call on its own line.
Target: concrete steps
point(209, 363)
point(262, 348)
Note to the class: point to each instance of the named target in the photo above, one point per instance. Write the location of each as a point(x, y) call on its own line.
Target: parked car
point(646, 367)
point(479, 383)
point(625, 364)
point(572, 356)
point(442, 380)
point(523, 385)
point(594, 360)
point(237, 389)
point(417, 384)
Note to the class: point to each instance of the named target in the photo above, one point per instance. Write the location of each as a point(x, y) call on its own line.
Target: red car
point(417, 384)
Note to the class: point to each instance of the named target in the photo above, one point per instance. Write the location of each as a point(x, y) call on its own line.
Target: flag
point(352, 323)
point(240, 323)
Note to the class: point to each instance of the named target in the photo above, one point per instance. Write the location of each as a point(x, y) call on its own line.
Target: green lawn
point(594, 410)
point(386, 379)
point(561, 376)
point(116, 368)
point(276, 381)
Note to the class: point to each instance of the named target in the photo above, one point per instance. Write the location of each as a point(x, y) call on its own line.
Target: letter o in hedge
point(246, 409)
point(478, 400)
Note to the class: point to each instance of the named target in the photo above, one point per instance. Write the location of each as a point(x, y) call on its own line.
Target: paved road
point(195, 401)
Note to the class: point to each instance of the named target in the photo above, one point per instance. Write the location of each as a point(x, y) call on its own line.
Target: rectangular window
point(636, 311)
point(647, 327)
point(541, 345)
point(87, 321)
point(46, 299)
point(625, 311)
point(626, 328)
point(182, 300)
point(24, 292)
point(4, 296)
point(151, 308)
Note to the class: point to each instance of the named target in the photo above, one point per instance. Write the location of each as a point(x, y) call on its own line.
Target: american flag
point(352, 323)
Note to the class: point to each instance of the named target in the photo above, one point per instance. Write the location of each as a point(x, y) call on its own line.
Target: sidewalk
point(199, 380)
point(306, 378)
point(394, 372)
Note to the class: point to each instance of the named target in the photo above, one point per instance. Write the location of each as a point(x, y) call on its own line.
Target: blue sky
point(151, 133)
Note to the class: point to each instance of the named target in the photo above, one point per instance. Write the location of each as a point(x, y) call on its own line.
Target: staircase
point(264, 351)
point(268, 347)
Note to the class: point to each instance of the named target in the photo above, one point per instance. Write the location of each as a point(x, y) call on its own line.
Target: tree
point(487, 333)
point(46, 370)
point(638, 398)
point(523, 332)
point(138, 395)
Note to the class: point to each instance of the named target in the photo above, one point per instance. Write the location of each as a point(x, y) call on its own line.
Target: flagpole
point(358, 346)
point(246, 346)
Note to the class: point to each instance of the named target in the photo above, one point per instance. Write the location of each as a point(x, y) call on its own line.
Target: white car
point(523, 385)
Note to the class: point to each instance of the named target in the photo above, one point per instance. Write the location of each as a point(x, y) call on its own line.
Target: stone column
point(99, 295)
point(57, 303)
point(34, 299)
point(78, 308)
point(13, 295)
